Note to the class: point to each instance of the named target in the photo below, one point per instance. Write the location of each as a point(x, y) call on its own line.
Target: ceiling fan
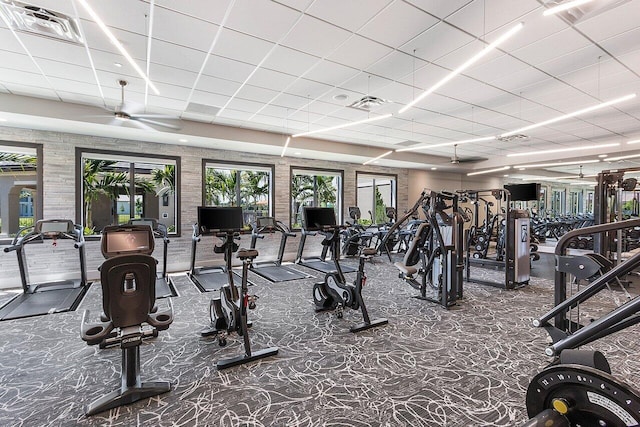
point(128, 112)
point(457, 160)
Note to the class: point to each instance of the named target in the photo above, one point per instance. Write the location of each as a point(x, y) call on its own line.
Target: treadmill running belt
point(326, 267)
point(164, 288)
point(40, 303)
point(280, 273)
point(213, 280)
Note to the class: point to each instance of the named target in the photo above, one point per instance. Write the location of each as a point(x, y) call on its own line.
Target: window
point(115, 187)
point(247, 185)
point(313, 187)
point(20, 187)
point(375, 194)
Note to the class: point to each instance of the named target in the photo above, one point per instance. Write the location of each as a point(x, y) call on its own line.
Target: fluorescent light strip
point(562, 150)
point(464, 66)
point(489, 171)
point(342, 126)
point(548, 165)
point(614, 159)
point(378, 158)
point(286, 144)
point(447, 144)
point(565, 6)
point(635, 141)
point(117, 44)
point(568, 116)
point(149, 38)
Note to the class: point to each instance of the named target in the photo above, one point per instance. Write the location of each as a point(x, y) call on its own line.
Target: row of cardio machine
point(55, 296)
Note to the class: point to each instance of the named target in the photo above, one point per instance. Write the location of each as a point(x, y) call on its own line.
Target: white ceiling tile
point(197, 8)
point(300, 5)
point(330, 73)
point(315, 37)
point(496, 68)
point(134, 20)
point(20, 77)
point(350, 15)
point(404, 16)
point(78, 98)
point(359, 52)
point(551, 47)
point(17, 61)
point(291, 102)
point(180, 29)
point(459, 56)
point(304, 88)
point(396, 92)
point(162, 74)
point(482, 17)
point(518, 81)
point(41, 47)
point(236, 114)
point(244, 105)
point(26, 90)
point(216, 85)
point(611, 22)
point(622, 43)
point(134, 43)
point(69, 71)
point(631, 60)
point(248, 16)
point(290, 61)
point(177, 56)
point(396, 65)
point(437, 41)
point(225, 68)
point(253, 49)
point(208, 98)
point(61, 84)
point(271, 79)
point(366, 84)
point(9, 41)
point(441, 9)
point(257, 93)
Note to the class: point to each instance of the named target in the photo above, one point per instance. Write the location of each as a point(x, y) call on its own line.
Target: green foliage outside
point(303, 189)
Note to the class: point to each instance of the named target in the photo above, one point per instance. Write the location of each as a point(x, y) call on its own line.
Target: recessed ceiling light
point(117, 64)
point(183, 140)
point(506, 175)
point(602, 156)
point(434, 169)
point(340, 97)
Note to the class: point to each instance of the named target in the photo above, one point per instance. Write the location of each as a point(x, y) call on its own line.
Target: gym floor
point(468, 366)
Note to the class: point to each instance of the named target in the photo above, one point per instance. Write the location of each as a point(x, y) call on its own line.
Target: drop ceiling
point(294, 66)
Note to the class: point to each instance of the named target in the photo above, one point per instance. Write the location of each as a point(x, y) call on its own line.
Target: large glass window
point(249, 186)
point(312, 187)
point(375, 194)
point(116, 187)
point(20, 187)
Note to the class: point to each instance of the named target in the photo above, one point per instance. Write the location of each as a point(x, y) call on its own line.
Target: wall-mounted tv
point(524, 192)
point(316, 218)
point(214, 219)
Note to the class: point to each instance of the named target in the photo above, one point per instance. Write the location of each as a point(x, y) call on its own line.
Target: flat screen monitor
point(215, 219)
point(127, 242)
point(316, 218)
point(55, 226)
point(266, 221)
point(524, 192)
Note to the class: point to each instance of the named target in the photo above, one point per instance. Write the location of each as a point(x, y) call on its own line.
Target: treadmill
point(318, 263)
point(274, 271)
point(165, 287)
point(49, 297)
point(208, 279)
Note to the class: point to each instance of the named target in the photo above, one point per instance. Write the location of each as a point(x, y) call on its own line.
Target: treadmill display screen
point(123, 242)
point(215, 219)
point(53, 227)
point(266, 221)
point(316, 218)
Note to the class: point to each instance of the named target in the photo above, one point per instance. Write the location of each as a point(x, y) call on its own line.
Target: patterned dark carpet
point(469, 366)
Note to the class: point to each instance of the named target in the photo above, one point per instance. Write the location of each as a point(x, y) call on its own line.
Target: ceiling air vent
point(513, 138)
point(43, 22)
point(585, 11)
point(366, 103)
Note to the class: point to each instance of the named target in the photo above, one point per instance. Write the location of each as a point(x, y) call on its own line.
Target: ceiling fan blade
point(158, 122)
point(139, 124)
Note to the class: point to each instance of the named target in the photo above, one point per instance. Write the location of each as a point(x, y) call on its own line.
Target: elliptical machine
point(228, 312)
point(334, 293)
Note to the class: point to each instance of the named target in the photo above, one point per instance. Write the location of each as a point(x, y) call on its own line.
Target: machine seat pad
point(407, 270)
point(369, 251)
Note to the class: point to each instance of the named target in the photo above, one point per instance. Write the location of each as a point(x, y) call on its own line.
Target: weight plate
point(594, 398)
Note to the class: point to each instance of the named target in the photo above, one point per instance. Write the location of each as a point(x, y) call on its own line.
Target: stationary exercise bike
point(334, 293)
point(228, 312)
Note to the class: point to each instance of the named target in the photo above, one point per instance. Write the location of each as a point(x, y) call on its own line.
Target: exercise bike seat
point(247, 253)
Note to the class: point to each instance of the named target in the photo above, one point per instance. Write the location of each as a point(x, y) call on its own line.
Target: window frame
point(131, 156)
point(373, 175)
point(340, 202)
point(240, 166)
point(38, 214)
